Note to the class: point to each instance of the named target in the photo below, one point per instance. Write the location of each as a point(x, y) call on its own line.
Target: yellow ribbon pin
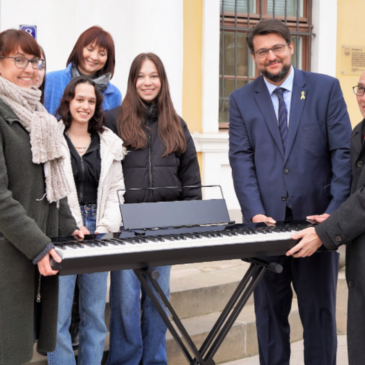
point(303, 96)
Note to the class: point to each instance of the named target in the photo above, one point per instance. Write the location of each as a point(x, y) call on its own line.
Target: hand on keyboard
point(44, 265)
point(263, 218)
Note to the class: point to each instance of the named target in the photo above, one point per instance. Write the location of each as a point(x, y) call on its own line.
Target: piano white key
point(111, 249)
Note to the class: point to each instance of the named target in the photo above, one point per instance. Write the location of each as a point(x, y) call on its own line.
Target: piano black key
point(113, 242)
point(152, 239)
point(103, 242)
point(192, 236)
point(229, 234)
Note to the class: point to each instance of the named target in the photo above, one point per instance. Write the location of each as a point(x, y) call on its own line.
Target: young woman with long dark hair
point(94, 172)
point(160, 152)
point(94, 56)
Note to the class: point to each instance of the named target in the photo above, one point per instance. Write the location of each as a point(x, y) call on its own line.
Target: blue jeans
point(136, 338)
point(93, 288)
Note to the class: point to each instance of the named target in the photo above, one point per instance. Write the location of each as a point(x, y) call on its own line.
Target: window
point(236, 64)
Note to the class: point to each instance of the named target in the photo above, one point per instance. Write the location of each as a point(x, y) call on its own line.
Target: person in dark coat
point(347, 226)
point(33, 206)
point(160, 152)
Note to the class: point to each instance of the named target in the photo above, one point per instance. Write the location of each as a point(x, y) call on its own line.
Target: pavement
point(297, 354)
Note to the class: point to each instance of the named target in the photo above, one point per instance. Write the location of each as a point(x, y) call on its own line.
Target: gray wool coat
point(347, 226)
point(25, 227)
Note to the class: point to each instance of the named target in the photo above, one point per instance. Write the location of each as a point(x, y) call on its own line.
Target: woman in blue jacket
point(93, 55)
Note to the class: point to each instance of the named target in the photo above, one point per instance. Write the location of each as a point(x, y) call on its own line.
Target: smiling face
point(93, 59)
point(148, 83)
point(22, 77)
point(82, 106)
point(275, 67)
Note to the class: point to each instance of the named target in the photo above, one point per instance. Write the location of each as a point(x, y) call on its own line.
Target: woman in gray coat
point(32, 204)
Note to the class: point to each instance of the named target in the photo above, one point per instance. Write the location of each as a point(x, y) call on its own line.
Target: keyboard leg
point(142, 274)
point(224, 323)
point(227, 309)
point(257, 273)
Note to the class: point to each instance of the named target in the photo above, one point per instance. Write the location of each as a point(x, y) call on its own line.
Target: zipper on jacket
point(81, 197)
point(39, 289)
point(150, 157)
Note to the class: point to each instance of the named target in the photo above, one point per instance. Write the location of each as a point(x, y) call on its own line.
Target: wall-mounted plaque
point(353, 60)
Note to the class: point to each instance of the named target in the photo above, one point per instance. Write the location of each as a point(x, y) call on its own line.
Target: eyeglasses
point(43, 65)
point(22, 62)
point(359, 90)
point(279, 48)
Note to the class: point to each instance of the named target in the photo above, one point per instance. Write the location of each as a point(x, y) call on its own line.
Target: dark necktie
point(282, 115)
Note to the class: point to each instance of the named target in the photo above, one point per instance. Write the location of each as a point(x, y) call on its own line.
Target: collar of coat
point(7, 113)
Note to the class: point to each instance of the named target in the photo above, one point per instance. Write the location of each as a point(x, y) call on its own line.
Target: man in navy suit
point(289, 150)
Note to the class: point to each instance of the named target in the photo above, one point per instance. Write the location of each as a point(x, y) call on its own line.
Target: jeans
point(93, 288)
point(136, 338)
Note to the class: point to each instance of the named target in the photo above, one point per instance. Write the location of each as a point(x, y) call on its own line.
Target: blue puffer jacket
point(56, 82)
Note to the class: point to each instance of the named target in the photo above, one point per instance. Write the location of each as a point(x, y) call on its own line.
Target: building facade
point(202, 44)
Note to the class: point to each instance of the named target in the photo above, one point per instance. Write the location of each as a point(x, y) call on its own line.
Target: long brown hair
point(131, 118)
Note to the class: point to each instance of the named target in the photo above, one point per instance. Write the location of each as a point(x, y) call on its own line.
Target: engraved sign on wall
point(353, 60)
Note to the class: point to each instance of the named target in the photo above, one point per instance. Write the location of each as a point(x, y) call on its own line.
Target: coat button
point(286, 171)
point(351, 284)
point(338, 238)
point(283, 198)
point(360, 164)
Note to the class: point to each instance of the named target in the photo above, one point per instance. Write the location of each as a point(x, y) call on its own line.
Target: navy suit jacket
point(313, 176)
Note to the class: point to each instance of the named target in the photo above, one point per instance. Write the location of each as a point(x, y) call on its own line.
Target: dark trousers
point(314, 280)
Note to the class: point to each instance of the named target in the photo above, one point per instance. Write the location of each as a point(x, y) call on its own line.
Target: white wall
point(136, 26)
point(324, 46)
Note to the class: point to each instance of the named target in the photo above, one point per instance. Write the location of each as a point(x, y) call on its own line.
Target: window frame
point(235, 22)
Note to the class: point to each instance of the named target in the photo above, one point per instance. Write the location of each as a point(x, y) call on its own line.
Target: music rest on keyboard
point(139, 249)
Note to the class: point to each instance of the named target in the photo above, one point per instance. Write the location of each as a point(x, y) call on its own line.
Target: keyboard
point(139, 249)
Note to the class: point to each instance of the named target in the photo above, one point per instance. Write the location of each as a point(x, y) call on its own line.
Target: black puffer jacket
point(147, 168)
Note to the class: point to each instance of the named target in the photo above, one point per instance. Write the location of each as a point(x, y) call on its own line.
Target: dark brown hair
point(12, 39)
point(131, 118)
point(97, 122)
point(268, 26)
point(99, 37)
point(41, 88)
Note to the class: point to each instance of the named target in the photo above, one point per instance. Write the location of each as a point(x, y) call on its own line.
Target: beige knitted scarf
point(45, 132)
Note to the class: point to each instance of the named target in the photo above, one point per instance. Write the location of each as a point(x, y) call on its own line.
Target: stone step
point(199, 289)
point(241, 341)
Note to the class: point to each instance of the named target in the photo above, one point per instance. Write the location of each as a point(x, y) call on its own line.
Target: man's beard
point(277, 77)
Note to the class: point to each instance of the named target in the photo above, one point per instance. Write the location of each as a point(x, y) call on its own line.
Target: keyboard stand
point(204, 356)
point(140, 216)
